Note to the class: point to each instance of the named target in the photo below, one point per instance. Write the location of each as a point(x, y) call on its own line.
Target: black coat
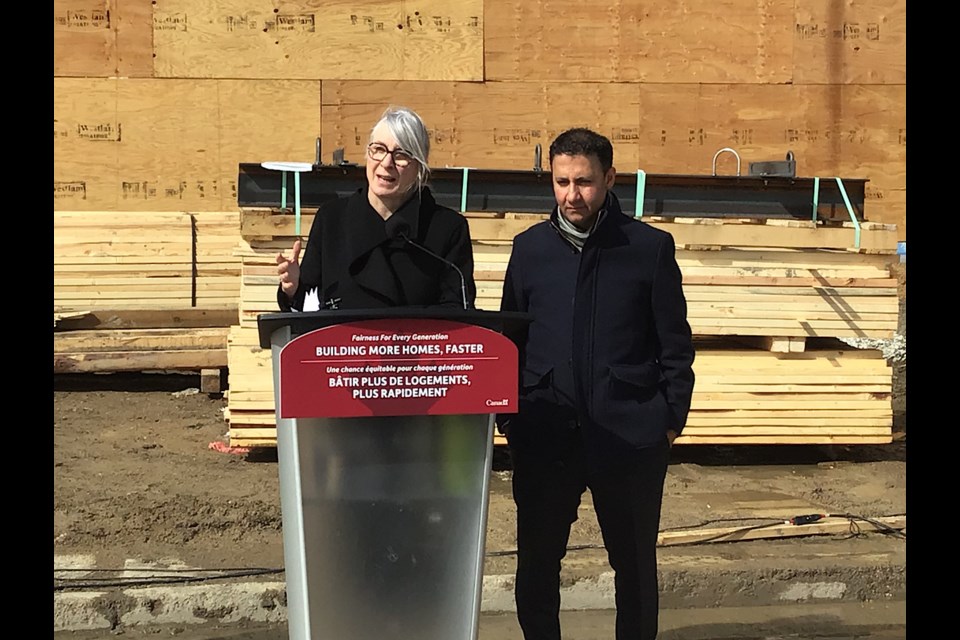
point(356, 260)
point(609, 342)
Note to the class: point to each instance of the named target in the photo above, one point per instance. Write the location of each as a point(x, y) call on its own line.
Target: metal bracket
point(316, 156)
point(728, 149)
point(340, 161)
point(338, 158)
point(779, 168)
point(538, 159)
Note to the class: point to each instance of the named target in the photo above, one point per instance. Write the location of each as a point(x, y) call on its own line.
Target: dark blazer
point(609, 346)
point(356, 260)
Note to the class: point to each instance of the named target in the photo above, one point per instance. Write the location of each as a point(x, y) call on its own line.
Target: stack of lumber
point(827, 394)
point(144, 260)
point(144, 290)
point(217, 267)
point(115, 260)
point(784, 291)
point(768, 301)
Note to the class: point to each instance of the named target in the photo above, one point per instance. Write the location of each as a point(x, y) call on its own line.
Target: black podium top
point(511, 324)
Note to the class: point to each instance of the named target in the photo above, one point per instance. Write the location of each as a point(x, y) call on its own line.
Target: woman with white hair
point(388, 244)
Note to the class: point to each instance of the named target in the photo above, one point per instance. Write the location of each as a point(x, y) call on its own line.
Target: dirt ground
point(135, 477)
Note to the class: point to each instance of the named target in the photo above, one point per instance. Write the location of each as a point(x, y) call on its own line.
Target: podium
point(385, 443)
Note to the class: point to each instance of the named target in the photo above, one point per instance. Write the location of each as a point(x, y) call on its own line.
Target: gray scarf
point(574, 235)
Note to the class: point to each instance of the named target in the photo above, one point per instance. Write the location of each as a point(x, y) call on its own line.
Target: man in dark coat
point(606, 384)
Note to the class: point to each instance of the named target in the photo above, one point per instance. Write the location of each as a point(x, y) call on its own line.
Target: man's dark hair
point(583, 142)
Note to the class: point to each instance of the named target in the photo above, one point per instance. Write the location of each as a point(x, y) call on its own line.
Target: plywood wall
point(103, 38)
point(638, 41)
point(485, 125)
point(157, 102)
point(300, 39)
point(850, 42)
point(173, 144)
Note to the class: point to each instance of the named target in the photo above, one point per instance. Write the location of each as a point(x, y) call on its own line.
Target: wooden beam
point(211, 380)
point(183, 359)
point(183, 318)
point(825, 438)
point(140, 340)
point(830, 525)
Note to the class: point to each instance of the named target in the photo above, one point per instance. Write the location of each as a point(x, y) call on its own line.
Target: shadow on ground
point(127, 381)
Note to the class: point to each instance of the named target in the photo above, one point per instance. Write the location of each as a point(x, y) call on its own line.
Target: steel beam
point(499, 191)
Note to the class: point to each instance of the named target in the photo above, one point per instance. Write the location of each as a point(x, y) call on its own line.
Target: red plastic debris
point(223, 447)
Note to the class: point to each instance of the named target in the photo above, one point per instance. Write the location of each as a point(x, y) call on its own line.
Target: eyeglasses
point(378, 152)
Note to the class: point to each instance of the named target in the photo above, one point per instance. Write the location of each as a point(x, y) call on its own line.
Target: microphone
point(401, 232)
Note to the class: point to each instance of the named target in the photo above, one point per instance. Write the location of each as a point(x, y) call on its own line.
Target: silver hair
point(411, 134)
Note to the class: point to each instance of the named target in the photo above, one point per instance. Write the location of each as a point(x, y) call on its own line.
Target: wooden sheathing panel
point(87, 134)
point(494, 125)
point(172, 145)
point(84, 38)
point(134, 20)
point(850, 42)
point(890, 207)
point(303, 40)
point(265, 120)
point(632, 40)
point(873, 143)
point(826, 396)
point(684, 126)
point(350, 109)
point(103, 38)
point(107, 260)
point(847, 131)
point(169, 158)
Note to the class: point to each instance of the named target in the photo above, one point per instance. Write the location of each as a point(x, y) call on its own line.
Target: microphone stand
point(463, 281)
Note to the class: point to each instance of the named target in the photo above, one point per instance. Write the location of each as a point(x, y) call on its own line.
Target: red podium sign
point(397, 367)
